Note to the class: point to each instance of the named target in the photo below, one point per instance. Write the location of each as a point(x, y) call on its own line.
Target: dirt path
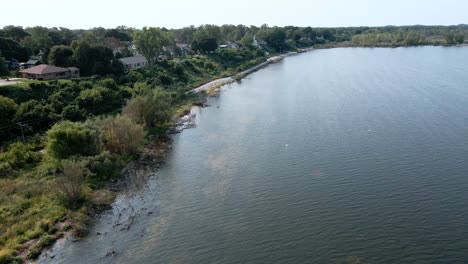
point(12, 81)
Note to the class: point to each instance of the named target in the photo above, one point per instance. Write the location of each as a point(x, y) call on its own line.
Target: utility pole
point(21, 125)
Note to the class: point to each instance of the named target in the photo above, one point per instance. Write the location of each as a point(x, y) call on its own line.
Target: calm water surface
point(334, 156)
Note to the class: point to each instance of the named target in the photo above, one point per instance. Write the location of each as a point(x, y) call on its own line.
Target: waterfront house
point(49, 72)
point(12, 64)
point(185, 49)
point(30, 64)
point(134, 62)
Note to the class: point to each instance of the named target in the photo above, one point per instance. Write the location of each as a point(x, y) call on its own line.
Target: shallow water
point(333, 156)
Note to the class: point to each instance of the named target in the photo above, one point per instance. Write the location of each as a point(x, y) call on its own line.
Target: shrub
point(109, 83)
point(121, 134)
point(67, 139)
point(34, 110)
point(99, 100)
point(152, 110)
point(70, 182)
point(103, 167)
point(7, 256)
point(18, 155)
point(7, 110)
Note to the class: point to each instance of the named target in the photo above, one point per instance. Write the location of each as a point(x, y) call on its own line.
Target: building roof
point(133, 60)
point(33, 61)
point(182, 45)
point(44, 69)
point(73, 68)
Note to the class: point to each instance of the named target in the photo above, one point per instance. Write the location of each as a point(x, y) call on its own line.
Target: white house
point(134, 62)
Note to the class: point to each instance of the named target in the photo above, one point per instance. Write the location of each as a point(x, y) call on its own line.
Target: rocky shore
point(214, 85)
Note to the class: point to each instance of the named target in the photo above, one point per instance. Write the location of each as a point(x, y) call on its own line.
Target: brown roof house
point(49, 72)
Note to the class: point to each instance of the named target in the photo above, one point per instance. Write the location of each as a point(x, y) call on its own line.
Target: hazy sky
point(178, 13)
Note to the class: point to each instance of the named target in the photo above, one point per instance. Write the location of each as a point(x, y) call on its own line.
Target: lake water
point(334, 156)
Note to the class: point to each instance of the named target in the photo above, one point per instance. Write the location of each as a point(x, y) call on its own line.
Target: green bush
point(70, 182)
point(121, 135)
point(7, 110)
point(68, 139)
point(152, 109)
point(99, 100)
point(103, 167)
point(17, 156)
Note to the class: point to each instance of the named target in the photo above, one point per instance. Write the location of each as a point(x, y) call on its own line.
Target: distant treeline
point(96, 44)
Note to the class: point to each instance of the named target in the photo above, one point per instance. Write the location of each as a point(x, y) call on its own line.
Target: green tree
point(7, 114)
point(10, 49)
point(66, 139)
point(121, 135)
point(151, 42)
point(450, 38)
point(61, 56)
point(205, 44)
point(274, 37)
point(7, 110)
point(3, 67)
point(247, 40)
point(92, 59)
point(460, 38)
point(99, 100)
point(152, 109)
point(38, 40)
point(16, 33)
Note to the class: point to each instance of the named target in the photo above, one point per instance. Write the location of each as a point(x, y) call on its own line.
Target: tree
point(274, 37)
point(7, 110)
point(460, 38)
point(16, 33)
point(118, 34)
point(3, 67)
point(152, 109)
point(247, 40)
point(7, 114)
point(10, 49)
point(66, 139)
point(413, 39)
point(38, 40)
point(121, 134)
point(99, 100)
point(205, 44)
point(61, 56)
point(151, 42)
point(92, 59)
point(450, 38)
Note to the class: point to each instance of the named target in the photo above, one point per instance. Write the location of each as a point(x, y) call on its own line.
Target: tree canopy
point(151, 42)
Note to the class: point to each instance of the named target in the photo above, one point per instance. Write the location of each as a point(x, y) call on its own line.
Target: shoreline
point(214, 85)
point(153, 155)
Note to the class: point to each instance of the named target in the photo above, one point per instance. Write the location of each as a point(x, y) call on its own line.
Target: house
point(229, 45)
point(185, 49)
point(134, 62)
point(30, 64)
point(12, 64)
point(115, 45)
point(258, 42)
point(232, 45)
point(49, 72)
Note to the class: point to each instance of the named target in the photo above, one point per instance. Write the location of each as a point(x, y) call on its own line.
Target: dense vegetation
point(61, 141)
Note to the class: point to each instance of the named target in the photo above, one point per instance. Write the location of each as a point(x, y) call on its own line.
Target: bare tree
point(71, 181)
